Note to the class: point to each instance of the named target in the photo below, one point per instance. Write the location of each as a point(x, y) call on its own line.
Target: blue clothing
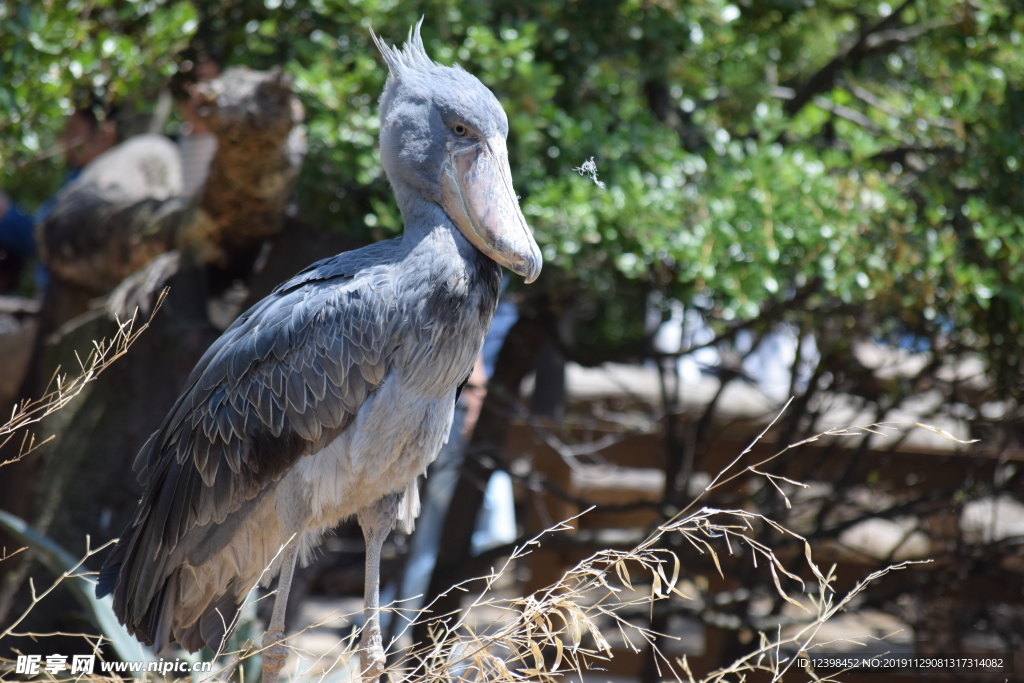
point(16, 232)
point(17, 229)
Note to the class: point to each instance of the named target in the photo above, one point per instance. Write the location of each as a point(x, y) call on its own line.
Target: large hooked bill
point(477, 194)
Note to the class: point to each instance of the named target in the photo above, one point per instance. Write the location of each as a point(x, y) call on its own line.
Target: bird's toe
point(275, 652)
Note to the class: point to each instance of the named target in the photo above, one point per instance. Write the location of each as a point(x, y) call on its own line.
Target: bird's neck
point(426, 222)
point(448, 270)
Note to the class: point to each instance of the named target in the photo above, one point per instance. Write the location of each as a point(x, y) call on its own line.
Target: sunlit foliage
point(858, 161)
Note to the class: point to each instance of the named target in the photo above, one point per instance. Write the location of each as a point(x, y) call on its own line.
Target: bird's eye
point(459, 130)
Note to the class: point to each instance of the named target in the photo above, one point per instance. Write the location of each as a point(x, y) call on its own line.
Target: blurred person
point(16, 243)
point(89, 132)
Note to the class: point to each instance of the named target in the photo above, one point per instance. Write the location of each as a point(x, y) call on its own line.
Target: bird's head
point(442, 136)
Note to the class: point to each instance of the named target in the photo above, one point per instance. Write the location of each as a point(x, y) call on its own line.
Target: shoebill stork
point(331, 396)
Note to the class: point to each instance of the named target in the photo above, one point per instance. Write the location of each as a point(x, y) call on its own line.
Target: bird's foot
point(275, 652)
point(372, 660)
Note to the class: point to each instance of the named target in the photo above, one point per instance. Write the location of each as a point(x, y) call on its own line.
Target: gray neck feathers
point(425, 220)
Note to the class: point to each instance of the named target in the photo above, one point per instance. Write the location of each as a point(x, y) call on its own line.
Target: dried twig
point(565, 628)
point(60, 391)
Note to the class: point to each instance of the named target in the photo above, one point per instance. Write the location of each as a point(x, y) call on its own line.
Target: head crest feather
point(411, 57)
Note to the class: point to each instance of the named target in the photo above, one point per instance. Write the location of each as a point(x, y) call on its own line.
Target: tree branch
point(826, 76)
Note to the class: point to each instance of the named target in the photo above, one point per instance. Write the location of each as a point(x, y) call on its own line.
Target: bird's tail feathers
point(108, 574)
point(214, 626)
point(409, 508)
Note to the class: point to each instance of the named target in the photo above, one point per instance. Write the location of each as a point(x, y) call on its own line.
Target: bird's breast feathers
point(438, 325)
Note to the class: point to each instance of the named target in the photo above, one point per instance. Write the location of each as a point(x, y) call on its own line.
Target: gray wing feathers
point(300, 362)
point(291, 371)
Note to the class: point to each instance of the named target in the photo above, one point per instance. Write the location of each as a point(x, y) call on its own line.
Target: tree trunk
point(256, 120)
point(107, 225)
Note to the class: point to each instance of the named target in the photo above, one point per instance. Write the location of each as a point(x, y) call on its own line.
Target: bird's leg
point(275, 651)
point(376, 521)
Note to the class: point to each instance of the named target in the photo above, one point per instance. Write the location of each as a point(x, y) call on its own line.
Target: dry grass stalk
point(562, 630)
point(61, 390)
point(559, 630)
point(38, 597)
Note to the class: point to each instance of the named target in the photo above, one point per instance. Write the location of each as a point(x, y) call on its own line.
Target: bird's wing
point(291, 372)
point(348, 263)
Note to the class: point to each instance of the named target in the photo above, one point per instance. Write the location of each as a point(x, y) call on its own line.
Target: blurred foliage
point(56, 55)
point(820, 161)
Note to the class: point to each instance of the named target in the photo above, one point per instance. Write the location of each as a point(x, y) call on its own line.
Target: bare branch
point(825, 77)
point(62, 390)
